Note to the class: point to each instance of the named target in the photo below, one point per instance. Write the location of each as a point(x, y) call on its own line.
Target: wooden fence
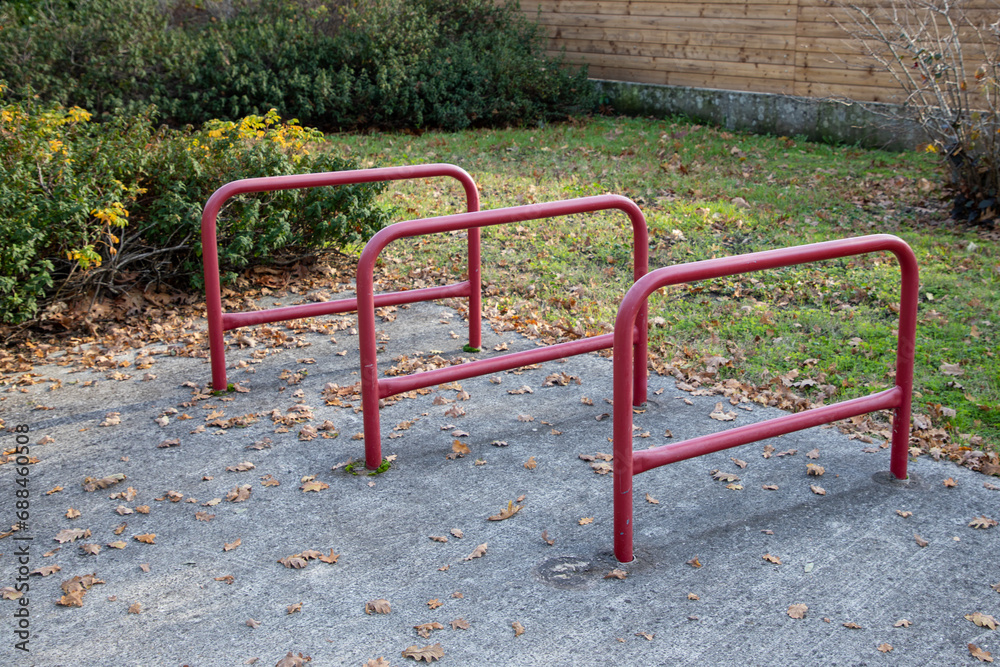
point(791, 47)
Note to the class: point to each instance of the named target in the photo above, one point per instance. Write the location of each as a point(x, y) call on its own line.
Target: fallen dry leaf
point(435, 603)
point(380, 606)
point(694, 562)
point(770, 487)
point(478, 552)
point(724, 476)
point(146, 538)
point(852, 625)
point(10, 593)
point(586, 520)
point(46, 571)
point(227, 578)
point(72, 513)
point(203, 516)
point(377, 662)
point(813, 454)
point(425, 629)
point(904, 513)
point(551, 540)
point(797, 610)
point(651, 500)
point(950, 482)
point(71, 534)
point(814, 469)
point(739, 462)
point(902, 623)
point(460, 624)
point(885, 648)
point(293, 660)
point(458, 450)
point(982, 620)
point(293, 608)
point(506, 513)
point(439, 538)
point(721, 415)
point(951, 369)
point(241, 467)
point(818, 490)
point(518, 628)
point(252, 623)
point(118, 544)
point(693, 596)
point(616, 574)
point(144, 567)
point(92, 484)
point(921, 542)
point(239, 494)
point(330, 558)
point(457, 532)
point(135, 608)
point(772, 559)
point(982, 522)
point(295, 561)
point(314, 485)
point(229, 546)
point(91, 549)
point(531, 464)
point(979, 654)
point(427, 653)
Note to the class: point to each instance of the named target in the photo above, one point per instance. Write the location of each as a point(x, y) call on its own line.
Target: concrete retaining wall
point(764, 113)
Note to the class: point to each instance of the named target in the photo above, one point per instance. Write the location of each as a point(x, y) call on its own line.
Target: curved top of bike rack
point(350, 177)
point(498, 216)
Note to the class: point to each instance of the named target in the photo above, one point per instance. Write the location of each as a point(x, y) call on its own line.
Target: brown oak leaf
point(239, 494)
point(478, 552)
point(518, 628)
point(380, 606)
point(425, 629)
point(71, 534)
point(507, 512)
point(982, 620)
point(427, 653)
point(797, 610)
point(979, 654)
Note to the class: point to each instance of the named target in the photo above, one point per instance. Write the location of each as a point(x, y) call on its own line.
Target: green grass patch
point(710, 193)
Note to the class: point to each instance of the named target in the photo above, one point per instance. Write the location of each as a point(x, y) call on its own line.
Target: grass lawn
point(818, 332)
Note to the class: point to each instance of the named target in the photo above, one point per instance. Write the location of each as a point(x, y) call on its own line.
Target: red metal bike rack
point(628, 463)
point(219, 322)
point(373, 389)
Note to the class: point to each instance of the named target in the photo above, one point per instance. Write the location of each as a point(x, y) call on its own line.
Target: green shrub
point(338, 64)
point(88, 205)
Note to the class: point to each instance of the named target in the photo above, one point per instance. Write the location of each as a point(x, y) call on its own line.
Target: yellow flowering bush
point(87, 205)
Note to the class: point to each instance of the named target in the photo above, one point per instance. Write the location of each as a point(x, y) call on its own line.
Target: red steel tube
point(647, 459)
point(628, 463)
point(236, 320)
point(370, 383)
point(210, 251)
point(505, 362)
